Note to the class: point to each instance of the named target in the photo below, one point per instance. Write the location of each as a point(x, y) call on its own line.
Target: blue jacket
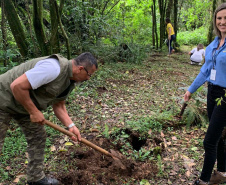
point(213, 59)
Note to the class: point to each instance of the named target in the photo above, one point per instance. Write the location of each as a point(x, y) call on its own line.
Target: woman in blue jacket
point(214, 72)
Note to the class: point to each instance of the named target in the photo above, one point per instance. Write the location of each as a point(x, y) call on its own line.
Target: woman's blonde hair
point(221, 7)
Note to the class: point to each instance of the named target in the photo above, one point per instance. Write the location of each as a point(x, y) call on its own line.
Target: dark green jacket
point(44, 96)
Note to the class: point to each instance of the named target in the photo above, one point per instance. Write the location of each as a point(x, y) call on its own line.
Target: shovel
point(182, 109)
point(88, 143)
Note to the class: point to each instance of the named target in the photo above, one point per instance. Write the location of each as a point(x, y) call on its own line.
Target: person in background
point(171, 35)
point(197, 55)
point(214, 72)
point(30, 88)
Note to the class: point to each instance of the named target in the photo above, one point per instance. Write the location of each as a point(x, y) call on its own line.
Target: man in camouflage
point(30, 88)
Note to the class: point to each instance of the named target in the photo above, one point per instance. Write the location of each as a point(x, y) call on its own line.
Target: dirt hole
point(135, 140)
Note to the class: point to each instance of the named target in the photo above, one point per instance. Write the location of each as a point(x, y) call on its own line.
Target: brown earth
point(92, 167)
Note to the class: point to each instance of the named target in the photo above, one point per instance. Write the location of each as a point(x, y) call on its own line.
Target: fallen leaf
point(63, 150)
point(17, 179)
point(52, 148)
point(8, 168)
point(194, 148)
point(68, 143)
point(188, 173)
point(94, 130)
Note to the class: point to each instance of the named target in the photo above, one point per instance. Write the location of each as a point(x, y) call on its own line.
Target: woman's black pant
point(213, 142)
point(173, 37)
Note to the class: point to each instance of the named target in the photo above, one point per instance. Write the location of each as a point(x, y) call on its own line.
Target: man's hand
point(37, 117)
point(75, 131)
point(62, 114)
point(187, 96)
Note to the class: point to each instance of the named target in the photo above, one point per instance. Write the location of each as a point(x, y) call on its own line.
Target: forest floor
point(131, 109)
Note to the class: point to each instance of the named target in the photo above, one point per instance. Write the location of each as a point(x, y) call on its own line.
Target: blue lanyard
point(215, 53)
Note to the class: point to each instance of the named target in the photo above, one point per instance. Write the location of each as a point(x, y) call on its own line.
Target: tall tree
point(154, 25)
point(54, 40)
point(210, 32)
point(175, 16)
point(4, 35)
point(62, 29)
point(169, 8)
point(39, 28)
point(16, 27)
point(162, 11)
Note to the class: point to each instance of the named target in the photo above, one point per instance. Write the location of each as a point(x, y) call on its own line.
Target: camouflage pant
point(36, 137)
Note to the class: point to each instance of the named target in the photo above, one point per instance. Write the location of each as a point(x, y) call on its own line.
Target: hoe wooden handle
point(70, 134)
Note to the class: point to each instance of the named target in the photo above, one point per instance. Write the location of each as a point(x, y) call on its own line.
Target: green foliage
point(159, 163)
point(194, 112)
point(101, 27)
point(193, 16)
point(144, 124)
point(14, 145)
point(9, 56)
point(219, 100)
point(106, 131)
point(9, 66)
point(108, 53)
point(142, 154)
point(193, 37)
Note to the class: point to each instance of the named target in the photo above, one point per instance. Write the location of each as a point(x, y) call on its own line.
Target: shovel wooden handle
point(70, 134)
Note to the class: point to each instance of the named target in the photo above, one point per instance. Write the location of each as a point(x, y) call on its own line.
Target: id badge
point(213, 74)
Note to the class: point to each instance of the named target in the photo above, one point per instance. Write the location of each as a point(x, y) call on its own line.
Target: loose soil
point(92, 167)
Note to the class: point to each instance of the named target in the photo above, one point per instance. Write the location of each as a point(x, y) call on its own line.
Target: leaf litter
point(142, 93)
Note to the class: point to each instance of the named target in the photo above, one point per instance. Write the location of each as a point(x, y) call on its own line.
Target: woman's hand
point(187, 96)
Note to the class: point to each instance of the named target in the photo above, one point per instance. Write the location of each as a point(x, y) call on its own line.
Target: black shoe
point(45, 181)
point(200, 182)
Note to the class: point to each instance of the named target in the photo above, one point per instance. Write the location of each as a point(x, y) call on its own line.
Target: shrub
point(193, 37)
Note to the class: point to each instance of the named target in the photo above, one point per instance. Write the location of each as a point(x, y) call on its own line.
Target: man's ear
point(80, 68)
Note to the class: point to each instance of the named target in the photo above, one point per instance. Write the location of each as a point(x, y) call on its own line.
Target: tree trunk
point(175, 17)
point(16, 27)
point(54, 40)
point(162, 11)
point(63, 31)
point(30, 31)
point(4, 35)
point(154, 26)
point(39, 28)
point(169, 8)
point(210, 32)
